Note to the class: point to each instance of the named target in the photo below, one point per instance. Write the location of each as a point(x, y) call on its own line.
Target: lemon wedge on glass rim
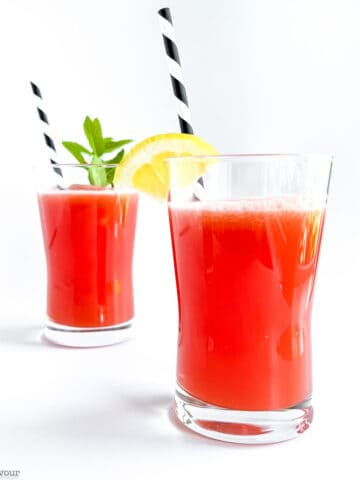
point(145, 166)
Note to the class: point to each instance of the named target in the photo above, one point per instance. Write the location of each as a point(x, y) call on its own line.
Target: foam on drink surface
point(247, 205)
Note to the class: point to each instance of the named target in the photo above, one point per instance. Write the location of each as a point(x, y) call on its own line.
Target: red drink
point(89, 239)
point(245, 275)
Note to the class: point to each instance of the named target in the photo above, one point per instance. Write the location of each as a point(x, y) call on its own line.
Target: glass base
point(239, 426)
point(87, 337)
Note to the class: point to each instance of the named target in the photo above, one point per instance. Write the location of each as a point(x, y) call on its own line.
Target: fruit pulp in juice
point(245, 275)
point(89, 239)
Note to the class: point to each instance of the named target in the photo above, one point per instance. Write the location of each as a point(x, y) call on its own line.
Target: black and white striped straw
point(45, 125)
point(177, 80)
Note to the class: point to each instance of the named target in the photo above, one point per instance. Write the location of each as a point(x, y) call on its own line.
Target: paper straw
point(177, 80)
point(47, 137)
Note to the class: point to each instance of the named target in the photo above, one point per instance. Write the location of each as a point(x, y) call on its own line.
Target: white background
point(263, 76)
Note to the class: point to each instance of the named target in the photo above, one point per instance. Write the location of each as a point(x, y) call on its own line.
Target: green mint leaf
point(92, 129)
point(97, 174)
point(111, 145)
point(88, 132)
point(100, 172)
point(76, 150)
point(116, 160)
point(97, 136)
point(110, 172)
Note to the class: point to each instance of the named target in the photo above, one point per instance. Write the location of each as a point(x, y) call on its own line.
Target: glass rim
point(80, 165)
point(256, 156)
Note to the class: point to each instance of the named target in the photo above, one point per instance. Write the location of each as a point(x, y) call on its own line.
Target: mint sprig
point(99, 173)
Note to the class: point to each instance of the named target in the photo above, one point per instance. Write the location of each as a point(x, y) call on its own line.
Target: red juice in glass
point(245, 274)
point(89, 239)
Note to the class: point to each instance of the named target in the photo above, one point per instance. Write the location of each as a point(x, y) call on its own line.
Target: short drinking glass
point(88, 234)
point(246, 238)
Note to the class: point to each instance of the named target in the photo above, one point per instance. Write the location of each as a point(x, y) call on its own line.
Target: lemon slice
point(145, 168)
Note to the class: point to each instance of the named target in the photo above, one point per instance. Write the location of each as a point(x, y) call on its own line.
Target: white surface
point(263, 76)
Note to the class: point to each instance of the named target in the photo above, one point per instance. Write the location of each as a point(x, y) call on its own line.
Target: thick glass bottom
point(239, 426)
point(86, 337)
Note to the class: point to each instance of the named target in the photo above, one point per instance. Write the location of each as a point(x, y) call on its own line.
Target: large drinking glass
point(246, 238)
point(88, 236)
